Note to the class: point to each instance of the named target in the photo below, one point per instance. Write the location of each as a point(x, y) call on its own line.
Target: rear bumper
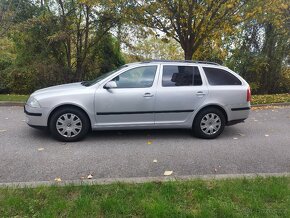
point(36, 117)
point(238, 113)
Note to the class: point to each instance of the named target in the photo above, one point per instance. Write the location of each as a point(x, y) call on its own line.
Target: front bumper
point(36, 116)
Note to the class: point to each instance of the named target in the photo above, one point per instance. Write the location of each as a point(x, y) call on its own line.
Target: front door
point(131, 103)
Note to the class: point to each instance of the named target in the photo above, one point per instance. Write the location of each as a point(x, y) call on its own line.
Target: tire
point(209, 123)
point(69, 124)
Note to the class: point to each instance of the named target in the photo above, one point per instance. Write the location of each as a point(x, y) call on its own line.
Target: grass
point(268, 99)
point(13, 97)
point(256, 99)
point(260, 197)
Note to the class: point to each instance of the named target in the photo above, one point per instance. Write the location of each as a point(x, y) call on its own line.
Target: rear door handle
point(200, 93)
point(147, 94)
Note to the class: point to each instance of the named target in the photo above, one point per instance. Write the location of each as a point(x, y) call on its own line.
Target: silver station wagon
point(196, 95)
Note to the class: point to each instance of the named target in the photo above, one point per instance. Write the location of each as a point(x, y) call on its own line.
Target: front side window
point(181, 76)
point(218, 77)
point(139, 77)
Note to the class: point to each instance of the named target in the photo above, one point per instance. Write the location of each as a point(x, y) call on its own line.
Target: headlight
point(32, 102)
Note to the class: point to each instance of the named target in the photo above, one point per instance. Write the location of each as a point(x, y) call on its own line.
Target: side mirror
point(110, 85)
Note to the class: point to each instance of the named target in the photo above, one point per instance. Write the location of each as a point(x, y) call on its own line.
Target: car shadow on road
point(113, 135)
point(173, 134)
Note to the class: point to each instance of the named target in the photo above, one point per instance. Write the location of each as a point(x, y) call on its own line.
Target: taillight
point(249, 94)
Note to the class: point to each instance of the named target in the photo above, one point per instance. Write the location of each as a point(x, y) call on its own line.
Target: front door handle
point(147, 94)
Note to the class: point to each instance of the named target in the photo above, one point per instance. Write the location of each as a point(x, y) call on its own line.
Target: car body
point(150, 94)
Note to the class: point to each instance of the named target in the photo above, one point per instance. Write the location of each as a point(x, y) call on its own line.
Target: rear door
point(180, 91)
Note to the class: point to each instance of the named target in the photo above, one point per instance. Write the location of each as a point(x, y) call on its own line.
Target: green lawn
point(256, 99)
point(267, 99)
point(258, 197)
point(12, 97)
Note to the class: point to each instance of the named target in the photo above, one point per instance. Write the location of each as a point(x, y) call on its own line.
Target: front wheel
point(209, 123)
point(69, 124)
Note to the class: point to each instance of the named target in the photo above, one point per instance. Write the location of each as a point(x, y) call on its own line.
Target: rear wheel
point(209, 123)
point(69, 124)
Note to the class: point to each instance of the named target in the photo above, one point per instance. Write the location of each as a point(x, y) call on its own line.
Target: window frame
point(184, 65)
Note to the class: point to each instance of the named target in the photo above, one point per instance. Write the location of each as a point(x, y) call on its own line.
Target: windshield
point(101, 77)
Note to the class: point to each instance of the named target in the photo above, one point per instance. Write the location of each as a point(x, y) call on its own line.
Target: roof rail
point(182, 61)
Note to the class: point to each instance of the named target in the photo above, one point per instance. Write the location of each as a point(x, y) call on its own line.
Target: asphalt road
point(260, 145)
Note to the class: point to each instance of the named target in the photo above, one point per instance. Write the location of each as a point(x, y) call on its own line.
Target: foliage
point(7, 56)
point(58, 42)
point(261, 50)
point(48, 42)
point(191, 23)
point(155, 47)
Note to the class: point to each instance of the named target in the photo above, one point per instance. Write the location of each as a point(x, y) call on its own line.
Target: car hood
point(60, 88)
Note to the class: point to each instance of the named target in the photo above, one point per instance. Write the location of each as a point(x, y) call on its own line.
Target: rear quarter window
point(218, 77)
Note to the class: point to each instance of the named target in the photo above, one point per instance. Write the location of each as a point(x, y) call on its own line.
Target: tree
point(146, 49)
point(261, 50)
point(59, 41)
point(82, 27)
point(190, 22)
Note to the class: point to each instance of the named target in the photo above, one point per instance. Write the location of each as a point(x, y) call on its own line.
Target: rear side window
point(181, 76)
point(217, 77)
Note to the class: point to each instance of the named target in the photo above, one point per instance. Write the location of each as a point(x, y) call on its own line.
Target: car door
point(131, 102)
point(180, 92)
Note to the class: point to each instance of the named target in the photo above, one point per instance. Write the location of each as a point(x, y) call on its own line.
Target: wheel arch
point(222, 109)
point(68, 106)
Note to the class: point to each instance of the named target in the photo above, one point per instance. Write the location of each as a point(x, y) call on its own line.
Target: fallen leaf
point(154, 161)
point(40, 149)
point(90, 176)
point(6, 118)
point(235, 138)
point(82, 177)
point(266, 135)
point(149, 142)
point(241, 134)
point(57, 179)
point(167, 173)
point(3, 130)
point(215, 170)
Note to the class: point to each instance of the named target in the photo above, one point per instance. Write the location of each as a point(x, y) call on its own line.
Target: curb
point(137, 180)
point(272, 104)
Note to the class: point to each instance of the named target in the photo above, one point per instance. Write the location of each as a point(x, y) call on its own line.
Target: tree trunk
point(188, 52)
